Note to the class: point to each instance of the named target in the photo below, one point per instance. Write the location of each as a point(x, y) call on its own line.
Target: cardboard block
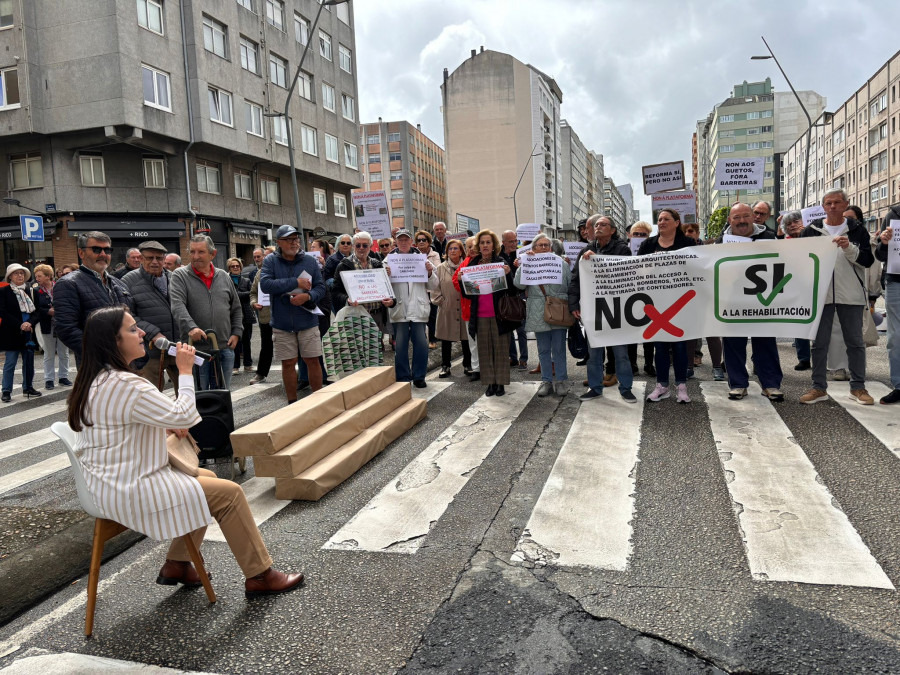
point(363, 384)
point(381, 404)
point(402, 420)
point(277, 430)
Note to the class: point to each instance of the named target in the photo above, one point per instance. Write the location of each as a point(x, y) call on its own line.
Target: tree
point(716, 223)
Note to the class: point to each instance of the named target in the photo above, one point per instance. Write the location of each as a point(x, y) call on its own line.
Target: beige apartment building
point(502, 124)
point(855, 148)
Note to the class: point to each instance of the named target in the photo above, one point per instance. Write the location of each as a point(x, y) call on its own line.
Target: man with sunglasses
point(79, 293)
point(343, 248)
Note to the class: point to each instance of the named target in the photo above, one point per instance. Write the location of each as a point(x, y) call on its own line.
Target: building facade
point(614, 206)
point(575, 178)
point(409, 167)
point(502, 138)
point(855, 148)
point(595, 183)
point(627, 193)
point(153, 119)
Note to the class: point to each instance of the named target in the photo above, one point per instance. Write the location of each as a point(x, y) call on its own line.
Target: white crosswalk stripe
point(879, 420)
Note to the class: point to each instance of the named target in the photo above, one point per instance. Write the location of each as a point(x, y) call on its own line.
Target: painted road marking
point(879, 420)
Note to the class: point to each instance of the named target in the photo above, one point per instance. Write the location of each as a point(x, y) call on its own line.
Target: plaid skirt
point(493, 352)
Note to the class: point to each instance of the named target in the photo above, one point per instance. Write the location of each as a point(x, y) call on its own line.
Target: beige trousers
point(151, 370)
point(229, 507)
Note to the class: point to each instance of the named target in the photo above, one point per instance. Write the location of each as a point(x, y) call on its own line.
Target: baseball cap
point(402, 233)
point(285, 231)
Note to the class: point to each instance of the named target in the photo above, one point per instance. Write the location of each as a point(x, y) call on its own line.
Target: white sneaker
point(737, 393)
point(681, 394)
point(258, 379)
point(561, 388)
point(545, 389)
point(658, 394)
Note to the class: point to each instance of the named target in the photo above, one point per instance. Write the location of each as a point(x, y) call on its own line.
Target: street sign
point(464, 223)
point(50, 208)
point(319, 232)
point(32, 228)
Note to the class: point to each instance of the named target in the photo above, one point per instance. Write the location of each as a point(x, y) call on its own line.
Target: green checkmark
point(775, 291)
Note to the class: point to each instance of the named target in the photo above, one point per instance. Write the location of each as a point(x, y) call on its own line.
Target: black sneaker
point(628, 397)
point(419, 383)
point(48, 384)
point(650, 369)
point(590, 394)
point(64, 381)
point(803, 365)
point(893, 397)
point(445, 371)
point(6, 397)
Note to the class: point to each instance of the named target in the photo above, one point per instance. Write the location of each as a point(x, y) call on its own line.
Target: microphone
point(163, 345)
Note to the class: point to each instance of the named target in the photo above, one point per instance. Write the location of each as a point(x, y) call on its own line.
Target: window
point(215, 37)
point(375, 159)
point(727, 134)
point(268, 190)
point(726, 118)
point(254, 117)
point(27, 171)
point(310, 142)
point(208, 177)
point(301, 29)
point(331, 148)
point(304, 85)
point(394, 137)
point(343, 12)
point(767, 144)
point(396, 175)
point(249, 55)
point(92, 170)
point(150, 15)
point(878, 163)
point(373, 140)
point(278, 71)
point(9, 88)
point(327, 97)
point(348, 107)
point(770, 174)
point(220, 106)
point(375, 177)
point(319, 202)
point(156, 88)
point(6, 13)
point(837, 137)
point(279, 130)
point(766, 113)
point(346, 58)
point(275, 13)
point(753, 115)
point(753, 146)
point(154, 172)
point(883, 131)
point(395, 157)
point(340, 206)
point(838, 161)
point(726, 148)
point(325, 45)
point(243, 184)
point(752, 131)
point(351, 157)
point(396, 194)
point(766, 129)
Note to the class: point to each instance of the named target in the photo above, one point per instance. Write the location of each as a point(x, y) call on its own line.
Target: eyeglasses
point(99, 249)
point(235, 265)
point(421, 241)
point(762, 214)
point(639, 235)
point(362, 245)
point(344, 243)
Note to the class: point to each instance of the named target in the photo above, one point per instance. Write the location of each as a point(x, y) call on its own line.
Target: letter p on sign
point(32, 228)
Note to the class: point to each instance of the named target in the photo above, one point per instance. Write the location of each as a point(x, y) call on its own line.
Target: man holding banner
point(846, 297)
point(742, 228)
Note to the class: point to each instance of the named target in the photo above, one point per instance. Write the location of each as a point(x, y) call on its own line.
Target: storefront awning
point(137, 228)
point(15, 231)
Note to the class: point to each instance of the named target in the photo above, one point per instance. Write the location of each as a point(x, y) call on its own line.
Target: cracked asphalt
point(686, 603)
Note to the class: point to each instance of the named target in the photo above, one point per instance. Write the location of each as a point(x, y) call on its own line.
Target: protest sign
point(541, 268)
point(764, 288)
point(893, 261)
point(467, 223)
point(523, 249)
point(367, 285)
point(685, 203)
point(635, 243)
point(406, 267)
point(262, 297)
point(812, 213)
point(527, 231)
point(483, 279)
point(573, 250)
point(663, 177)
point(734, 239)
point(744, 173)
point(371, 212)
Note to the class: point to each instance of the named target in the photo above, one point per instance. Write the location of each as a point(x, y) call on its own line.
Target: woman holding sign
point(486, 324)
point(359, 260)
point(450, 327)
point(551, 340)
point(670, 238)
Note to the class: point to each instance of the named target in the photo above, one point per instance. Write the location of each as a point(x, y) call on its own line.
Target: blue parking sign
point(32, 228)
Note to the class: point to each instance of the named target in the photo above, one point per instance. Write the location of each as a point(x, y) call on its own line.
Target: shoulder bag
point(556, 311)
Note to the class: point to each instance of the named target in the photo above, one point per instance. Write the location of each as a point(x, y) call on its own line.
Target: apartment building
point(855, 148)
point(502, 139)
point(627, 193)
point(595, 183)
point(409, 167)
point(614, 206)
point(575, 177)
point(151, 119)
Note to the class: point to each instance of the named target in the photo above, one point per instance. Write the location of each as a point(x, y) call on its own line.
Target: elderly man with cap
point(295, 286)
point(149, 286)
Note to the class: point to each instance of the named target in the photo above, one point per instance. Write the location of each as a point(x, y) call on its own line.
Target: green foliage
point(716, 223)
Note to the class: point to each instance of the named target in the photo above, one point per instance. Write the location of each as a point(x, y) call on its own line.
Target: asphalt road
point(689, 598)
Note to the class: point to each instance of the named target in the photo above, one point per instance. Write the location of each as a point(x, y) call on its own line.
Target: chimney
point(419, 127)
point(482, 49)
point(446, 74)
point(473, 53)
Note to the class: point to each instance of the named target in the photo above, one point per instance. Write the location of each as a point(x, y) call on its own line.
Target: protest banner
point(893, 261)
point(573, 250)
point(812, 213)
point(663, 177)
point(685, 203)
point(541, 268)
point(406, 267)
point(371, 212)
point(527, 231)
point(744, 173)
point(483, 279)
point(367, 285)
point(760, 289)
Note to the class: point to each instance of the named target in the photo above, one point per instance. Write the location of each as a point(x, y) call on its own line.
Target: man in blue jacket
point(295, 286)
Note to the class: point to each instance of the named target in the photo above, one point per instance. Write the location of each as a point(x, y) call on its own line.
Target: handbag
point(510, 307)
point(556, 310)
point(183, 454)
point(577, 342)
point(870, 330)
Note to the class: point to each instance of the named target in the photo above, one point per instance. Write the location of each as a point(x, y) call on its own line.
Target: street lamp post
point(516, 210)
point(805, 112)
point(287, 105)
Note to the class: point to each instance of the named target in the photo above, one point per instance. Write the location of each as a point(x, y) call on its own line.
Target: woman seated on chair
point(121, 421)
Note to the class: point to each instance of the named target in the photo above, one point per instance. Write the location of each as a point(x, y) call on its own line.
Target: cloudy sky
point(635, 74)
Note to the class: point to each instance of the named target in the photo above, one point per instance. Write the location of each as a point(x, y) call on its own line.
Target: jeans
point(9, 369)
point(850, 317)
point(523, 345)
point(623, 367)
point(679, 362)
point(226, 358)
point(552, 353)
point(802, 348)
point(404, 332)
point(243, 347)
point(55, 349)
point(765, 360)
point(892, 304)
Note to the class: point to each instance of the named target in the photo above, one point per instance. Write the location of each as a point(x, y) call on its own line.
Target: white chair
point(105, 529)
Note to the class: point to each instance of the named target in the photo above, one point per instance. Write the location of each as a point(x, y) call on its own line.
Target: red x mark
point(661, 321)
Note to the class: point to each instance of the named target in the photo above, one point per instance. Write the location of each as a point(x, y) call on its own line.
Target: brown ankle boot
point(179, 572)
point(271, 582)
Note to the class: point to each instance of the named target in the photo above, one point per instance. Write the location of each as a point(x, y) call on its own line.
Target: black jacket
point(615, 246)
point(881, 252)
point(12, 338)
point(153, 312)
point(503, 327)
point(243, 287)
point(78, 294)
point(44, 303)
point(652, 244)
